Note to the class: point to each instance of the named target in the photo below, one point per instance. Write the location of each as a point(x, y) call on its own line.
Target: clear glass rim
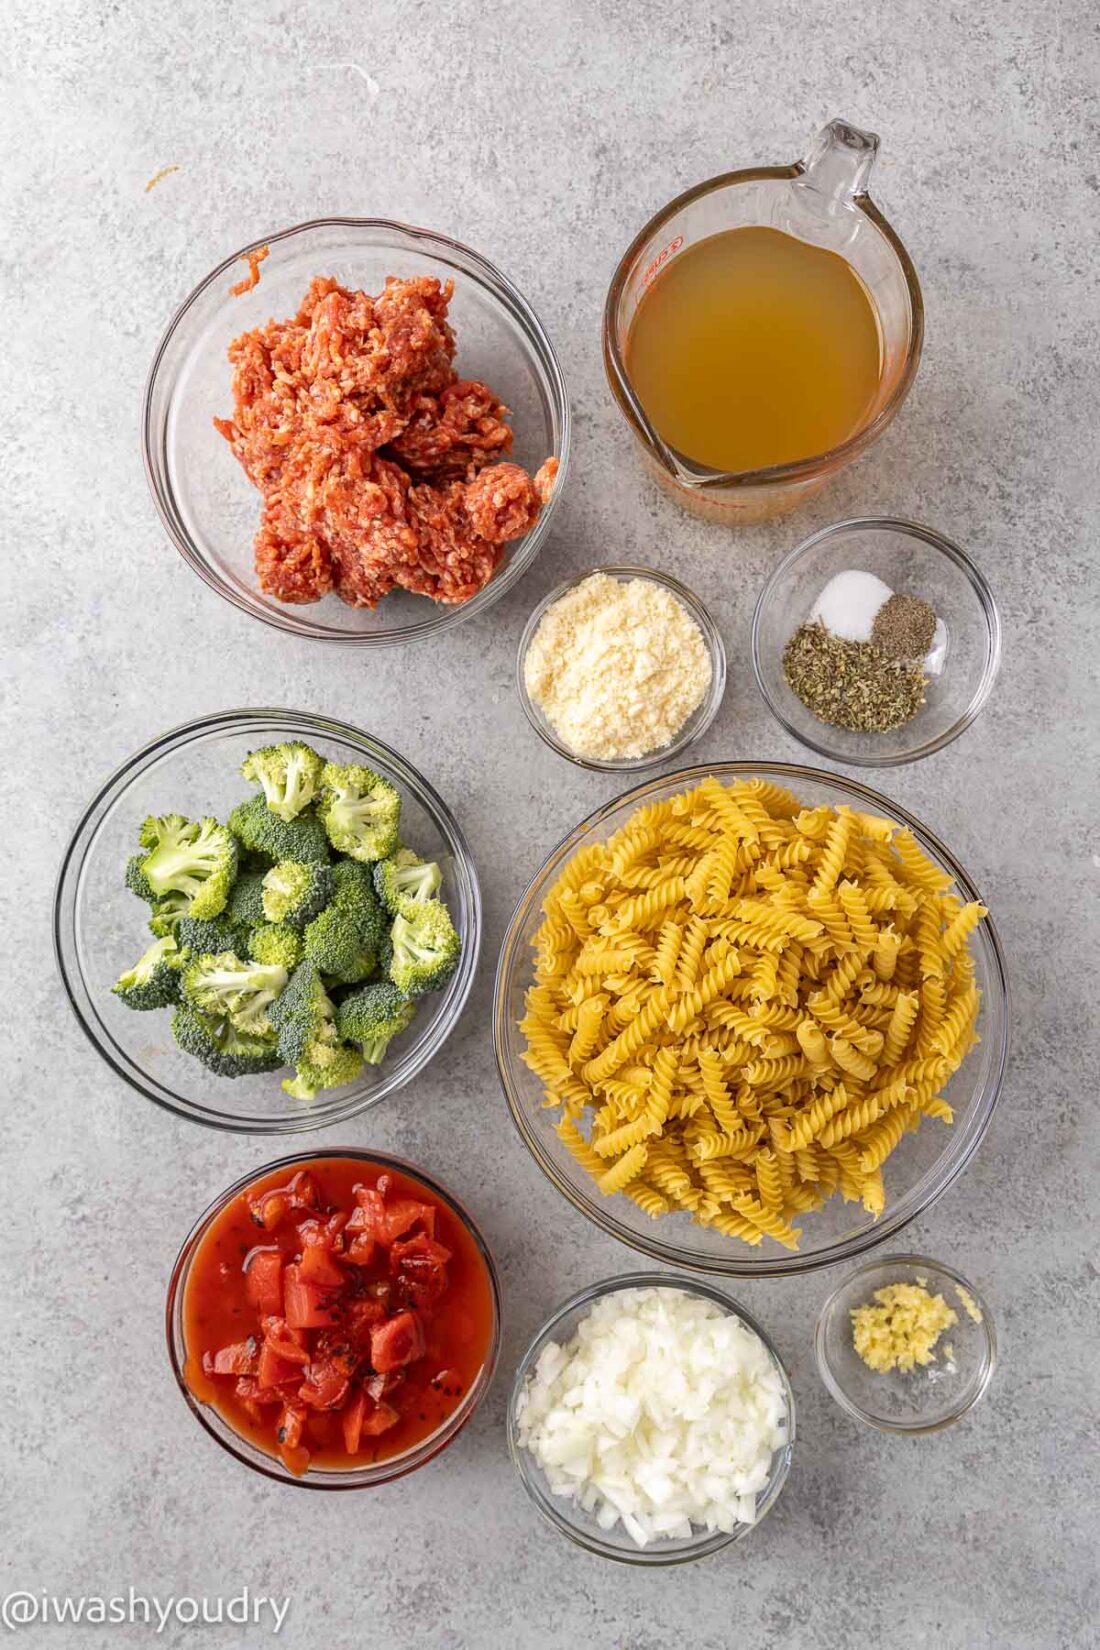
point(978, 583)
point(699, 720)
point(354, 1478)
point(475, 267)
point(799, 469)
point(79, 993)
point(881, 1423)
point(552, 1507)
point(938, 1178)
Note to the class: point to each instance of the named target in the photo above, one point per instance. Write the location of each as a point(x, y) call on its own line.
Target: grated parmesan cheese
point(617, 667)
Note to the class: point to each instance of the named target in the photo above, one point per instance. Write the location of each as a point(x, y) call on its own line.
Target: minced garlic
point(902, 1328)
point(617, 667)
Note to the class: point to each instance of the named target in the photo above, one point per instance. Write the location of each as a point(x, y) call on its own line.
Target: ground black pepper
point(904, 626)
point(854, 685)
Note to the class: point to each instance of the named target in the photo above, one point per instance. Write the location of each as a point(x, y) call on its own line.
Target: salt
point(848, 604)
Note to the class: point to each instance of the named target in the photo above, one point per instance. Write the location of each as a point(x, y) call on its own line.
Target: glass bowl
point(99, 928)
point(918, 1172)
point(929, 1397)
point(908, 558)
point(208, 506)
point(699, 720)
point(354, 1478)
point(568, 1516)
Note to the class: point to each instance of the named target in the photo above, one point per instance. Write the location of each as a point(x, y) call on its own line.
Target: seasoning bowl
point(242, 1448)
point(930, 1396)
point(909, 558)
point(99, 926)
point(207, 505)
point(695, 725)
point(924, 1165)
point(567, 1516)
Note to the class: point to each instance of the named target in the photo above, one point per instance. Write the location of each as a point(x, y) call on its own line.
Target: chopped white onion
point(663, 1412)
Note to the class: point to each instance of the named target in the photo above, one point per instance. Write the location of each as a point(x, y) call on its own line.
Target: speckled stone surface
point(543, 135)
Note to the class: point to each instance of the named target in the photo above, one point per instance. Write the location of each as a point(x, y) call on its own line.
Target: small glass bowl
point(918, 1172)
point(908, 558)
point(99, 926)
point(699, 720)
point(354, 1478)
point(568, 1516)
point(929, 1397)
point(209, 508)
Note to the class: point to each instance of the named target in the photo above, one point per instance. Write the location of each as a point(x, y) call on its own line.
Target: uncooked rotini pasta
point(741, 1006)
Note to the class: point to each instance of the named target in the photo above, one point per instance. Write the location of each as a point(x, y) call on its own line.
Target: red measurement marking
point(662, 257)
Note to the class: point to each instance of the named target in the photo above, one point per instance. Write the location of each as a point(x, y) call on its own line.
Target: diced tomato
point(404, 1213)
point(319, 1265)
point(360, 1316)
point(263, 1280)
point(249, 1390)
point(369, 1217)
point(308, 1306)
point(380, 1386)
point(420, 1245)
point(420, 1264)
point(380, 1420)
point(237, 1359)
point(273, 1370)
point(285, 1342)
point(360, 1251)
point(325, 1387)
point(352, 1420)
point(396, 1342)
point(289, 1435)
point(271, 1208)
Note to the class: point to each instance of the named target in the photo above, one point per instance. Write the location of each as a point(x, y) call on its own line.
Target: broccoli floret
point(220, 1046)
point(425, 949)
point(345, 1067)
point(360, 811)
point(168, 913)
point(154, 980)
point(195, 858)
point(295, 893)
point(343, 941)
point(372, 1017)
point(289, 776)
point(137, 881)
point(404, 880)
point(246, 903)
point(203, 938)
point(304, 1020)
point(224, 985)
point(263, 832)
point(276, 943)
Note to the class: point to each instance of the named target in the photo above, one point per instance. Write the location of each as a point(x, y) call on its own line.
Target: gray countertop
point(543, 135)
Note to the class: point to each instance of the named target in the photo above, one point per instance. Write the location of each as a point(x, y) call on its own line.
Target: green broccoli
point(289, 776)
point(168, 913)
point(246, 902)
point(137, 881)
point(154, 980)
point(344, 1068)
point(360, 811)
point(425, 949)
point(223, 985)
point(262, 832)
point(216, 934)
point(343, 940)
point(372, 1017)
point(220, 1046)
point(183, 856)
point(277, 944)
point(294, 892)
point(304, 1020)
point(404, 880)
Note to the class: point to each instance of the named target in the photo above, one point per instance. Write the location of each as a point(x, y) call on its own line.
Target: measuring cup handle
point(838, 162)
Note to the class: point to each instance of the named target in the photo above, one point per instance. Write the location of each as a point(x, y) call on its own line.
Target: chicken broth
point(752, 348)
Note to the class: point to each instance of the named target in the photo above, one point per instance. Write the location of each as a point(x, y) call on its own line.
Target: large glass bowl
point(99, 926)
point(242, 1448)
point(209, 508)
point(567, 1515)
point(918, 1172)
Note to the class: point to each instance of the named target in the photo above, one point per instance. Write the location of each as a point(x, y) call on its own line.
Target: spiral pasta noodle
point(741, 1006)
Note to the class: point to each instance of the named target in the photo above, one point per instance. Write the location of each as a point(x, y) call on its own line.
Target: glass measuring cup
point(821, 199)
